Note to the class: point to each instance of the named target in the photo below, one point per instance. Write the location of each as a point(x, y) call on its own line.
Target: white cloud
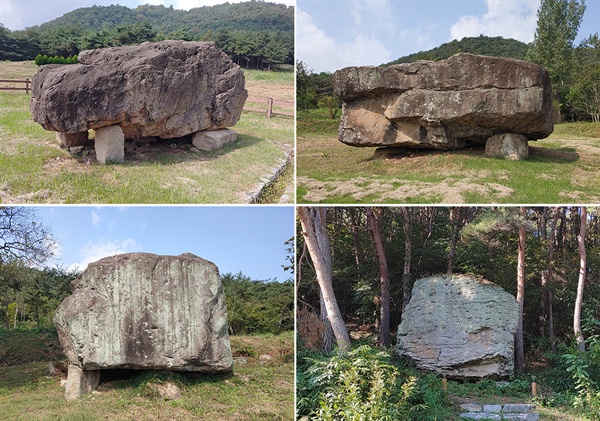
point(323, 53)
point(92, 252)
point(95, 219)
point(511, 19)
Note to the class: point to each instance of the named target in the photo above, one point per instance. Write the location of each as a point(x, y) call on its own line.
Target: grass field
point(261, 389)
point(34, 169)
point(564, 168)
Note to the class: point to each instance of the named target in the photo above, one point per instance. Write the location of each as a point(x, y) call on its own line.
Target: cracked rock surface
point(459, 327)
point(443, 105)
point(145, 311)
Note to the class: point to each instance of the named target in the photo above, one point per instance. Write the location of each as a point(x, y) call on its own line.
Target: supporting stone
point(213, 140)
point(72, 139)
point(508, 146)
point(110, 145)
point(80, 382)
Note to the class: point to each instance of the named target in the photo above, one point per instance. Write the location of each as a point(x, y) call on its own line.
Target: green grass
point(564, 168)
point(34, 169)
point(258, 390)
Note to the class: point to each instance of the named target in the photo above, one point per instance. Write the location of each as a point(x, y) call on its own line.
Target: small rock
point(75, 149)
point(265, 357)
point(471, 407)
point(240, 360)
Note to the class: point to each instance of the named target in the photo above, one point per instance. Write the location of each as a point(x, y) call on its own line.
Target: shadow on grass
point(15, 376)
point(559, 155)
point(162, 153)
point(120, 379)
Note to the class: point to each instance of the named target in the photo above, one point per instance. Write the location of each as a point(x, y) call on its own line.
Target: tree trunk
point(314, 232)
point(454, 220)
point(406, 281)
point(359, 256)
point(581, 281)
point(384, 302)
point(519, 351)
point(548, 278)
point(327, 331)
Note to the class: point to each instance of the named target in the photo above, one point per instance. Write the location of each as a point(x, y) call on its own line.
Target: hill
point(255, 34)
point(249, 16)
point(482, 45)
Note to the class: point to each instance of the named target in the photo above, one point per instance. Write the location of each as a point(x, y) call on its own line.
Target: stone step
point(509, 411)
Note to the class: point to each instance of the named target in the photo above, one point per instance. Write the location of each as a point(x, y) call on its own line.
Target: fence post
point(269, 107)
point(26, 86)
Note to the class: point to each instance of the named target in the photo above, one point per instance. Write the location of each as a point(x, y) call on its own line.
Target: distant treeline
point(482, 45)
point(29, 298)
point(255, 34)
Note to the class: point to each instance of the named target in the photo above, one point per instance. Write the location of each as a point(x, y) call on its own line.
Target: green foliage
point(584, 370)
point(482, 45)
point(557, 26)
point(365, 384)
point(21, 346)
point(258, 306)
point(254, 34)
point(584, 94)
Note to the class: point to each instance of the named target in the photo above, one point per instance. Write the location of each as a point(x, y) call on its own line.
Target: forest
point(255, 34)
point(355, 271)
point(31, 289)
point(574, 69)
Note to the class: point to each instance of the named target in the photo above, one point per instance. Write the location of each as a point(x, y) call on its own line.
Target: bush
point(365, 385)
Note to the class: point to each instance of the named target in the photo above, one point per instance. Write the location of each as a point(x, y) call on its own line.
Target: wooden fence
point(26, 88)
point(273, 107)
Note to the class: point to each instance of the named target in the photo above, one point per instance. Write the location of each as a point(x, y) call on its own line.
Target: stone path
point(509, 411)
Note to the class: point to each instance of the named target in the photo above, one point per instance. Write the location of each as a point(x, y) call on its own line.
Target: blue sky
point(332, 34)
point(246, 239)
point(20, 14)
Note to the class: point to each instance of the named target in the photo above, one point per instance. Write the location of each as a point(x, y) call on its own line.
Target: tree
point(519, 349)
point(384, 278)
point(557, 26)
point(314, 233)
point(584, 94)
point(406, 278)
point(581, 280)
point(23, 238)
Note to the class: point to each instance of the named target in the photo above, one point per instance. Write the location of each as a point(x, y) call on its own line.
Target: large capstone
point(460, 327)
point(144, 311)
point(448, 104)
point(165, 89)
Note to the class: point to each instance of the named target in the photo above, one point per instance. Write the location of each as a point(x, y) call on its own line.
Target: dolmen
point(460, 327)
point(144, 311)
point(450, 104)
point(166, 90)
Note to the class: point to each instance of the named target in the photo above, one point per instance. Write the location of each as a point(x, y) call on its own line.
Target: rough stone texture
point(79, 382)
point(518, 407)
point(167, 89)
point(492, 408)
point(508, 145)
point(479, 416)
point(69, 140)
point(143, 311)
point(443, 105)
point(213, 140)
point(471, 407)
point(110, 145)
point(459, 327)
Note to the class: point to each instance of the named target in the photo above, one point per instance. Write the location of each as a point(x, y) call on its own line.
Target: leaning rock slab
point(79, 382)
point(443, 105)
point(213, 140)
point(110, 145)
point(459, 327)
point(508, 146)
point(144, 311)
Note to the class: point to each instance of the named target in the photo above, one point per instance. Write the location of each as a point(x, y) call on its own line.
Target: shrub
point(39, 59)
point(362, 385)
